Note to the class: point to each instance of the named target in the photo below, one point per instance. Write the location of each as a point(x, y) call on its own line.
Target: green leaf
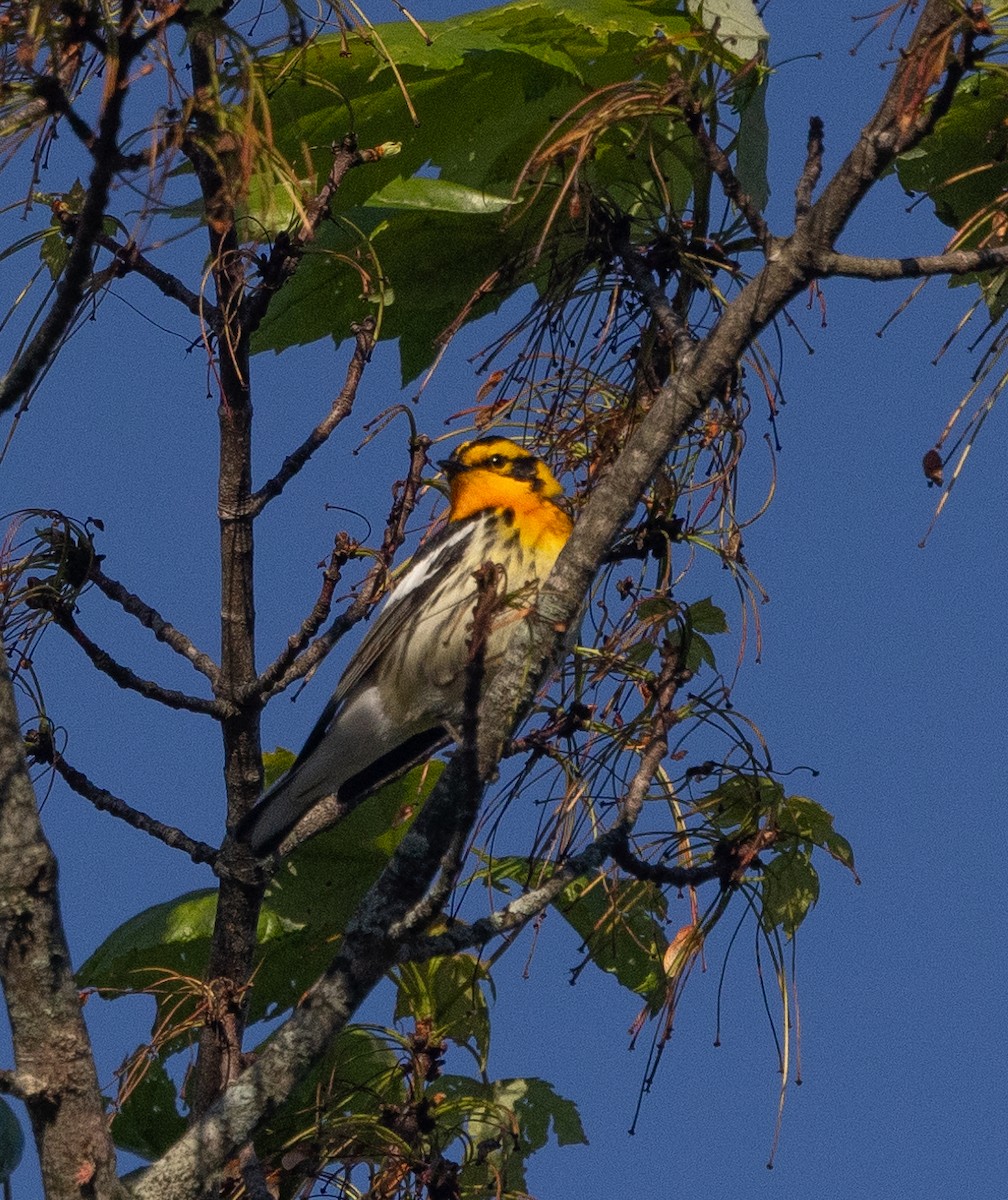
point(752, 148)
point(357, 1076)
point(54, 251)
point(620, 923)
point(506, 1121)
point(271, 204)
point(306, 907)
point(658, 609)
point(704, 616)
point(539, 1110)
point(149, 1121)
point(448, 992)
point(739, 24)
point(55, 244)
point(11, 1141)
point(807, 819)
point(966, 175)
point(425, 227)
point(437, 195)
point(739, 803)
point(790, 887)
point(963, 173)
point(812, 822)
point(171, 936)
point(404, 256)
point(698, 652)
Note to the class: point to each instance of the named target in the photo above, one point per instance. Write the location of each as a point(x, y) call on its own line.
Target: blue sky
point(881, 669)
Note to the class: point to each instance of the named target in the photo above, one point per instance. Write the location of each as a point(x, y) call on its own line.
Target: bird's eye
point(497, 460)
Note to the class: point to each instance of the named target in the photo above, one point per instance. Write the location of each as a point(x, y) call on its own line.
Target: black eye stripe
point(520, 468)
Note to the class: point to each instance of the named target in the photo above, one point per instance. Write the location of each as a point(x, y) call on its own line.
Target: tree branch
point(812, 169)
point(952, 262)
point(129, 259)
point(212, 150)
point(151, 619)
point(526, 907)
point(656, 744)
point(285, 670)
point(717, 160)
point(908, 112)
point(675, 329)
point(26, 1088)
point(104, 801)
point(54, 100)
point(341, 552)
point(128, 680)
point(728, 864)
point(25, 370)
point(340, 410)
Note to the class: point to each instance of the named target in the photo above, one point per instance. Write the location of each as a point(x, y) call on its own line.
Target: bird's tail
point(265, 826)
point(315, 776)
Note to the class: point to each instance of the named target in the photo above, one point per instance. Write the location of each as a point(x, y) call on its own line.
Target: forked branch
point(151, 619)
point(125, 678)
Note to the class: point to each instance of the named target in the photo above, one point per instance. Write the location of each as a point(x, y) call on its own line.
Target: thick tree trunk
point(54, 1070)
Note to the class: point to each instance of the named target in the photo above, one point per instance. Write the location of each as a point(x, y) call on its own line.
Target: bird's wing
point(421, 580)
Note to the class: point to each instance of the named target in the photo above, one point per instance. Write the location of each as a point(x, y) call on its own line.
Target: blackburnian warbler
point(401, 696)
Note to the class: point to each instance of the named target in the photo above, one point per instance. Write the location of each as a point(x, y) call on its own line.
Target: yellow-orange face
point(498, 474)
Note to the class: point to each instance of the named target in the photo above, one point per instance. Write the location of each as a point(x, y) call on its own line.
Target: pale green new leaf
point(447, 992)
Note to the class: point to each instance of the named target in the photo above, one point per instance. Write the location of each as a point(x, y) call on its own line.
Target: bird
point(401, 697)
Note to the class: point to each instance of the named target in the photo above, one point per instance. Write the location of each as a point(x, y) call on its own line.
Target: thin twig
point(656, 746)
point(340, 410)
point(812, 169)
point(305, 663)
point(104, 801)
point(151, 619)
point(128, 258)
point(129, 680)
point(674, 328)
point(729, 862)
point(371, 589)
point(342, 551)
point(717, 160)
point(287, 249)
point(53, 99)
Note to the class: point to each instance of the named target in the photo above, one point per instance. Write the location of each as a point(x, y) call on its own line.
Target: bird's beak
point(450, 466)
